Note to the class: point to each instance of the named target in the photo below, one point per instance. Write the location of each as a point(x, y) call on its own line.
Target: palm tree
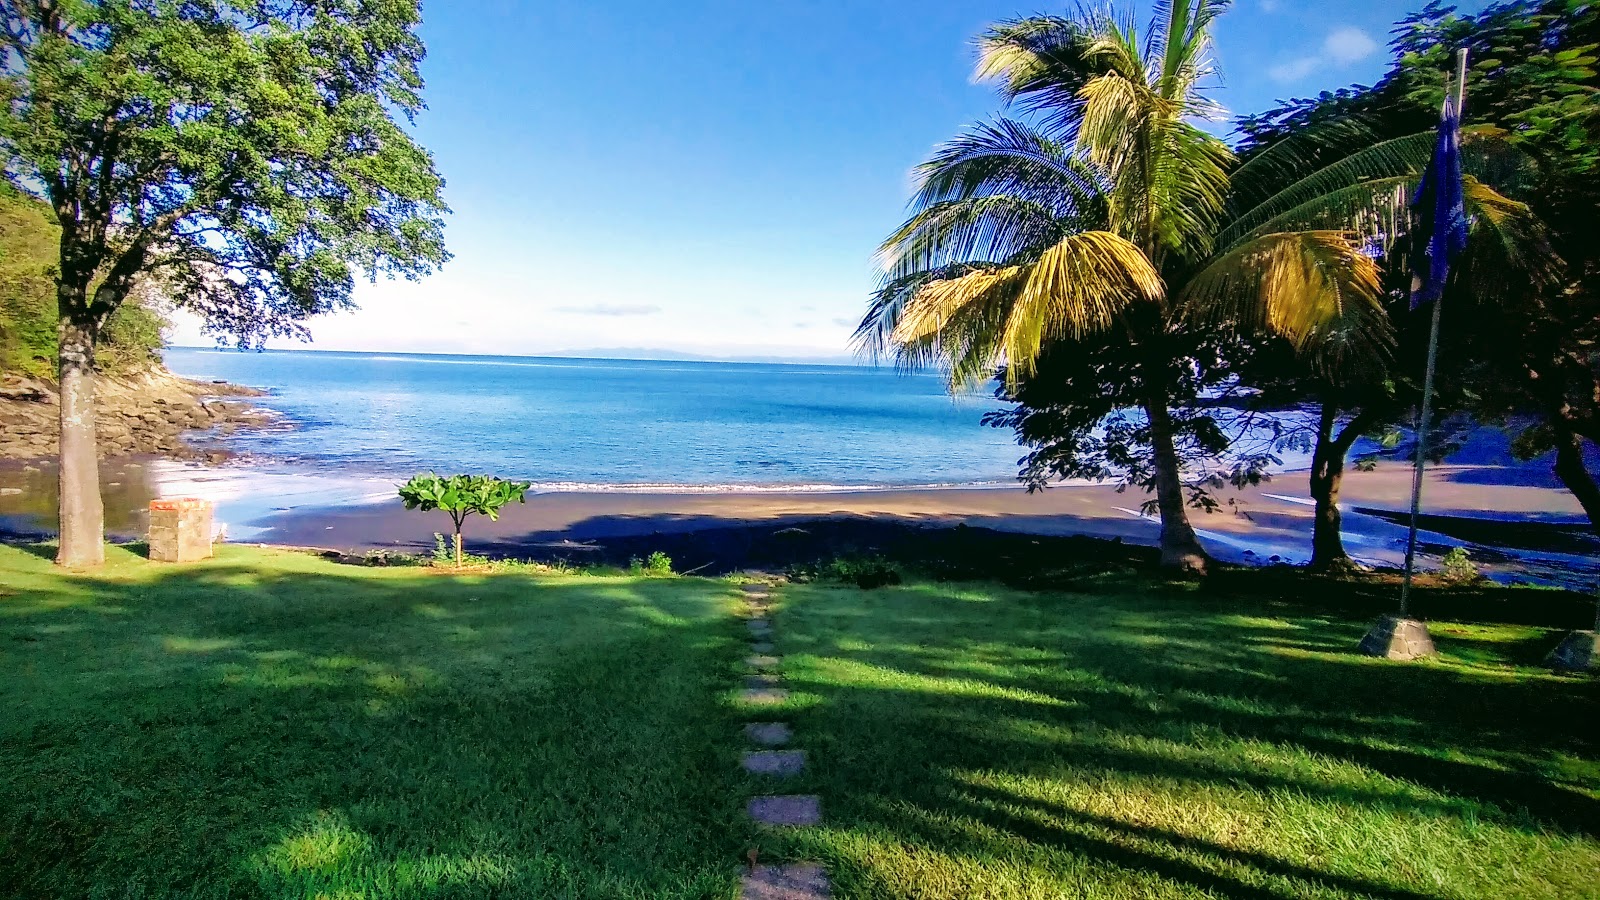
point(1358, 171)
point(1118, 212)
point(1101, 219)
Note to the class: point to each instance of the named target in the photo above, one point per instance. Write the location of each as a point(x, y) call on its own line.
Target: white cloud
point(610, 309)
point(1341, 47)
point(1295, 69)
point(1347, 45)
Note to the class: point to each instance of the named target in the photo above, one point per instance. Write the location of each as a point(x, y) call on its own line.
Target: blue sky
point(712, 177)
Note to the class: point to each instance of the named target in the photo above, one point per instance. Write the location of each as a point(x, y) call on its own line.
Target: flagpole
point(1427, 386)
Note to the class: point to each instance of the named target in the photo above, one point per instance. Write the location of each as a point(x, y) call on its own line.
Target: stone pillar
point(180, 530)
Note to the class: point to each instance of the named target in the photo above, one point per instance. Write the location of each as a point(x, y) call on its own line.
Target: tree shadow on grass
point(924, 688)
point(239, 729)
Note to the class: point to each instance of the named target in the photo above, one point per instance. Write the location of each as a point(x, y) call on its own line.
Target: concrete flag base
point(1396, 638)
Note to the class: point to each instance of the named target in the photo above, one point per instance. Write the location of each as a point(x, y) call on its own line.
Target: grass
point(1123, 738)
point(269, 724)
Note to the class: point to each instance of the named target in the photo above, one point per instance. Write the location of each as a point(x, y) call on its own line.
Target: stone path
point(790, 881)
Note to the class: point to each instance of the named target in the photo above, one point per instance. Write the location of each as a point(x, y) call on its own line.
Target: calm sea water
point(583, 423)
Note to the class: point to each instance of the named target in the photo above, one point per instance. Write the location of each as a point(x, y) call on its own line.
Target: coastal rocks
point(143, 414)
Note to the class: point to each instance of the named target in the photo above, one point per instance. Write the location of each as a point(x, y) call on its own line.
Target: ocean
point(608, 424)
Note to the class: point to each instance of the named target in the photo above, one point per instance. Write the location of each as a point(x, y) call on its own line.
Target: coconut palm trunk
point(1180, 547)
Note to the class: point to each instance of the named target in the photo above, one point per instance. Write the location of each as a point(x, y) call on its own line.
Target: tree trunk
point(1570, 469)
point(1327, 475)
point(458, 546)
point(82, 516)
point(1179, 546)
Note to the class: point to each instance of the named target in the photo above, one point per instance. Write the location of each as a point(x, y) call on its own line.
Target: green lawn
point(1141, 741)
point(275, 725)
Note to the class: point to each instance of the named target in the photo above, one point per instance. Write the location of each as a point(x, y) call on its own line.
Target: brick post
point(180, 530)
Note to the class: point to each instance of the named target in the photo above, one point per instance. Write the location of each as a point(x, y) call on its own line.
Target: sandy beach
point(1513, 521)
point(1257, 525)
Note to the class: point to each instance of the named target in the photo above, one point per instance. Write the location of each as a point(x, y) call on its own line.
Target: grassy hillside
point(28, 236)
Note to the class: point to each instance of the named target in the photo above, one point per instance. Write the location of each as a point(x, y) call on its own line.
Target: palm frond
point(873, 337)
point(1510, 248)
point(1039, 62)
point(1377, 208)
point(1378, 165)
point(1318, 289)
point(959, 231)
point(1181, 39)
point(1189, 187)
point(1007, 313)
point(1403, 157)
point(1007, 157)
point(1297, 155)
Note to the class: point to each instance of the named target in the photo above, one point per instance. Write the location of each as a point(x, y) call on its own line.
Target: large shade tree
point(1520, 332)
point(1103, 218)
point(250, 155)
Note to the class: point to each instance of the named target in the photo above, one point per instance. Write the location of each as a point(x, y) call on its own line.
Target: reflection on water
point(28, 498)
point(242, 496)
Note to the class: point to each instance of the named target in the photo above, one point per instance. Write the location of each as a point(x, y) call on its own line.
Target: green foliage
point(1457, 567)
point(657, 564)
point(461, 496)
point(445, 555)
point(132, 337)
point(868, 572)
point(1516, 348)
point(28, 240)
point(248, 153)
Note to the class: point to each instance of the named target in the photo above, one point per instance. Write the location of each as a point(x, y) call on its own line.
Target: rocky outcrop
point(148, 414)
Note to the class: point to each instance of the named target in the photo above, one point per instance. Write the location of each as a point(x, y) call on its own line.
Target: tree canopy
point(248, 152)
point(250, 156)
point(132, 338)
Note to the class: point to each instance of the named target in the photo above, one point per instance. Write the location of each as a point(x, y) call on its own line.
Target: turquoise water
point(581, 423)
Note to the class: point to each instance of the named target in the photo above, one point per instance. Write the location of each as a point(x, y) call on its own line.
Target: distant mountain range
point(657, 353)
point(639, 353)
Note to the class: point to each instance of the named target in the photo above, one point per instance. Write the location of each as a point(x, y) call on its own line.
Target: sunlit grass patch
point(270, 724)
point(1126, 742)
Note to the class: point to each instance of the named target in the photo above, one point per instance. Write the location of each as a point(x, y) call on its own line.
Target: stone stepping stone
point(795, 881)
point(764, 696)
point(782, 763)
point(768, 734)
point(762, 661)
point(761, 647)
point(760, 627)
point(762, 680)
point(787, 811)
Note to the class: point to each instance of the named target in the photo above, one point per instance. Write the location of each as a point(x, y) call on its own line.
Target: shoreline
point(1514, 530)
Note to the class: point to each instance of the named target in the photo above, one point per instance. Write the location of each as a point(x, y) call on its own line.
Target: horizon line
point(839, 361)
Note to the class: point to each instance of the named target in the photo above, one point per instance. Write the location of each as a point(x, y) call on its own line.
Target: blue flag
point(1440, 213)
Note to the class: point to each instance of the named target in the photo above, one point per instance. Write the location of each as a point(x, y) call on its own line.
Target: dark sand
point(1256, 526)
point(1514, 524)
